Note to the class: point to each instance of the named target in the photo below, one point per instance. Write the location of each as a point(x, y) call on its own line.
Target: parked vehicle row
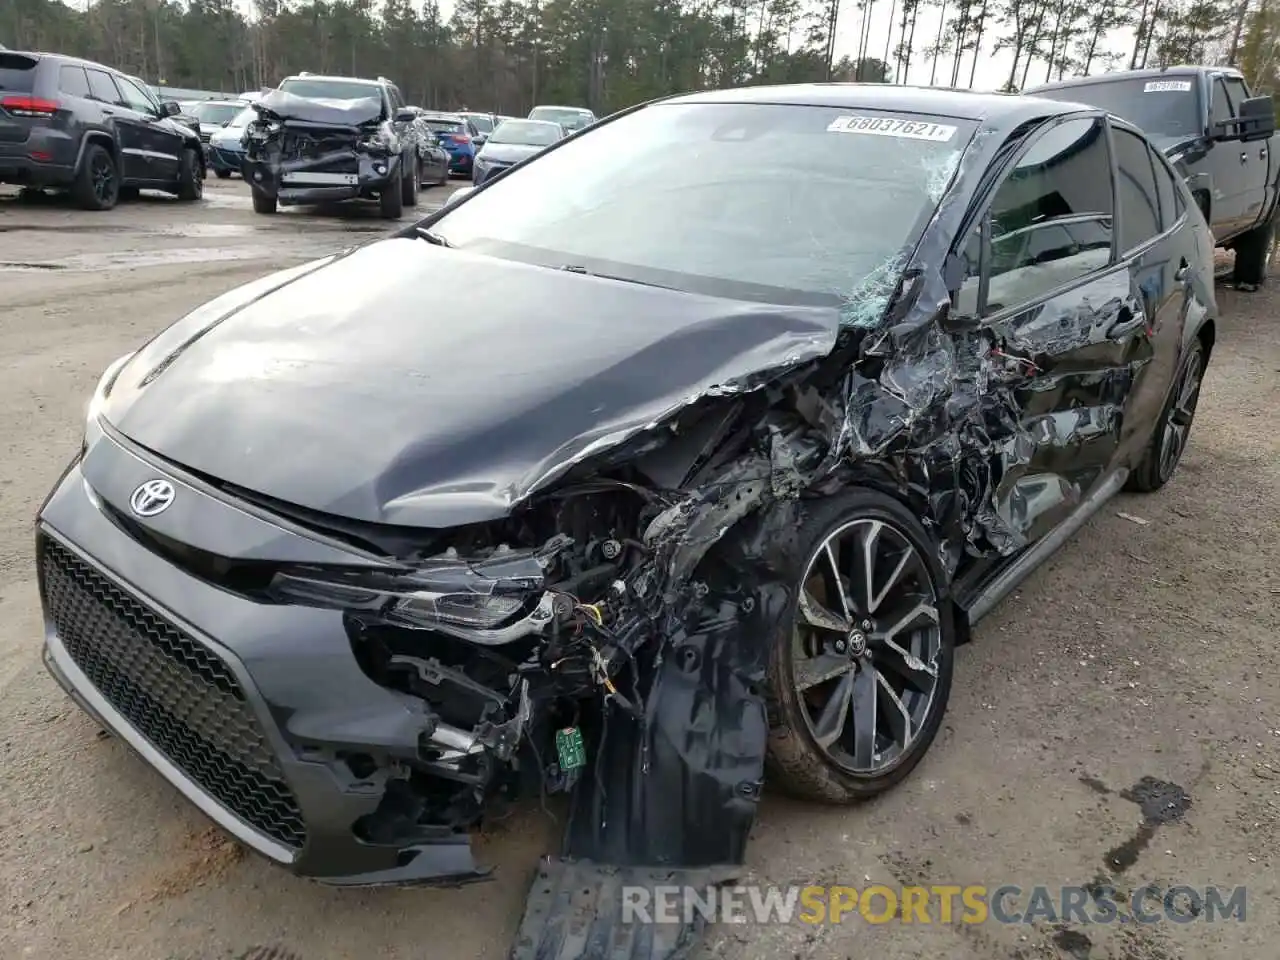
point(511, 143)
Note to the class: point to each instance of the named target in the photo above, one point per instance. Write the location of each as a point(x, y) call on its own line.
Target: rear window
point(17, 73)
point(1163, 106)
point(72, 81)
point(527, 132)
point(481, 123)
point(446, 126)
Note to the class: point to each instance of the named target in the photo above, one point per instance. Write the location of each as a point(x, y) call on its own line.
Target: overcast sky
point(992, 72)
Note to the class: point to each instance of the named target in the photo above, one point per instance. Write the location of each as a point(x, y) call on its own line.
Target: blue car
point(226, 144)
point(458, 135)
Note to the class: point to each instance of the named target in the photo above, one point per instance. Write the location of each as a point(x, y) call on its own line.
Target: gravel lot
point(1144, 649)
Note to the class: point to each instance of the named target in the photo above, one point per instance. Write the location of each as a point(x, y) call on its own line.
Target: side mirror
point(171, 108)
point(1257, 118)
point(457, 195)
point(479, 139)
point(405, 115)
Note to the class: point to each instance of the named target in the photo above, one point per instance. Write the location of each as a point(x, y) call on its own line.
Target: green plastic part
point(569, 746)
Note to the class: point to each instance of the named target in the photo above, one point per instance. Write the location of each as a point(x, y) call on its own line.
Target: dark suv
point(320, 139)
point(77, 125)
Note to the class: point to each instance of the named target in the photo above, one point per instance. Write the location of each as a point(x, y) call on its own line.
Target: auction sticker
point(1167, 86)
point(893, 127)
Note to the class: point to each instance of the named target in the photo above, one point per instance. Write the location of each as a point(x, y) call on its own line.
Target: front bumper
point(221, 158)
point(460, 162)
point(253, 711)
point(268, 178)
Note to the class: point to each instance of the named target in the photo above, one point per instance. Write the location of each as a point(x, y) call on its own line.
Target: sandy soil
point(1141, 650)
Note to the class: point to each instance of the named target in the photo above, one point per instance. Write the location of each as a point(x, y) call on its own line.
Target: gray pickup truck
point(1218, 135)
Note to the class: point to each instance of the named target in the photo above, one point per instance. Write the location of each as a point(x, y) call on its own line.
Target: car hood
point(508, 152)
point(349, 113)
point(351, 386)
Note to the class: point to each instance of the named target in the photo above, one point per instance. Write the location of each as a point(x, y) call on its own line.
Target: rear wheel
point(1173, 430)
point(221, 174)
point(263, 203)
point(861, 668)
point(191, 175)
point(97, 183)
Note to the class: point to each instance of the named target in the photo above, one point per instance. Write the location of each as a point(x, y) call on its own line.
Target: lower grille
point(174, 691)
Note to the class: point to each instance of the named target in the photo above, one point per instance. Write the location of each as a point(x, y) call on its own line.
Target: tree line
point(506, 55)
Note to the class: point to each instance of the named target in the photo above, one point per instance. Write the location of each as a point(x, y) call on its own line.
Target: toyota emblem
point(152, 497)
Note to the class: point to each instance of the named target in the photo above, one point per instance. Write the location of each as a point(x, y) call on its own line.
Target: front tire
point(1173, 429)
point(262, 203)
point(97, 183)
point(409, 189)
point(191, 176)
point(391, 201)
point(860, 669)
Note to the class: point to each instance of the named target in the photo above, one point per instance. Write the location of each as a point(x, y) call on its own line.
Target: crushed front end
point(300, 150)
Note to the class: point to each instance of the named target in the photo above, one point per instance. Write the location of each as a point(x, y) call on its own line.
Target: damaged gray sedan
point(712, 478)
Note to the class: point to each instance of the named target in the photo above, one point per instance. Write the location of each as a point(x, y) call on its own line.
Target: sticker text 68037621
point(893, 127)
point(1167, 86)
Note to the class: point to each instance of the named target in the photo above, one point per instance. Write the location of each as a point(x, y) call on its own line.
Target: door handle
point(1183, 270)
point(1244, 157)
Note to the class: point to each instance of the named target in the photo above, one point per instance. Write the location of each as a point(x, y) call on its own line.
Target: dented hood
point(411, 384)
point(342, 113)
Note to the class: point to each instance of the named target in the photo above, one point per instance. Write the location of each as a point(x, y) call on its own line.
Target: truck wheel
point(391, 200)
point(190, 176)
point(262, 203)
point(1253, 256)
point(97, 183)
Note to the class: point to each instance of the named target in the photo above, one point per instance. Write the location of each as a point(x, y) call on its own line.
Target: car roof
point(318, 76)
point(995, 108)
point(64, 58)
point(435, 115)
point(1152, 74)
point(557, 106)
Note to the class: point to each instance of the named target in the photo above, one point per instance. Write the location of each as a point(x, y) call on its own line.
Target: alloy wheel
point(103, 178)
point(867, 644)
point(1177, 425)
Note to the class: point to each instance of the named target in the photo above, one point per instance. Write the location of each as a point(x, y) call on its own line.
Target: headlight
point(480, 601)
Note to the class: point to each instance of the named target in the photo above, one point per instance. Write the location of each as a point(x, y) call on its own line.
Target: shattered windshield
point(771, 202)
point(1161, 106)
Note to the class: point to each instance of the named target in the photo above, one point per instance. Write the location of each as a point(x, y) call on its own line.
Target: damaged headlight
point(491, 601)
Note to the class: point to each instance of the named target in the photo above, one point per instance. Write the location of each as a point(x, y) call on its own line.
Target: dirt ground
point(1144, 649)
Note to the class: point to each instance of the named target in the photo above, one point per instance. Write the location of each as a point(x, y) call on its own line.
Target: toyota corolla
point(715, 476)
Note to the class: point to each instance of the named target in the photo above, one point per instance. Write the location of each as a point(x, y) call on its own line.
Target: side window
point(1139, 202)
point(1171, 203)
point(1220, 110)
point(134, 98)
point(1050, 220)
point(72, 81)
point(397, 101)
point(101, 86)
point(1236, 94)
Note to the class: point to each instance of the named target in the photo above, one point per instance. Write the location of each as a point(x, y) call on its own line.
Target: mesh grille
point(173, 690)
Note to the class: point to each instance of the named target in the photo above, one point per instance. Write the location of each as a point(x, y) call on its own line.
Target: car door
point(1253, 159)
point(1066, 330)
point(133, 158)
point(1228, 166)
point(161, 143)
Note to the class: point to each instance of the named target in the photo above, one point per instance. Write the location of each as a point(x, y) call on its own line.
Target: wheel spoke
point(906, 666)
point(834, 584)
point(891, 582)
point(896, 714)
point(864, 718)
point(829, 726)
point(911, 615)
point(815, 670)
point(817, 615)
point(862, 571)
